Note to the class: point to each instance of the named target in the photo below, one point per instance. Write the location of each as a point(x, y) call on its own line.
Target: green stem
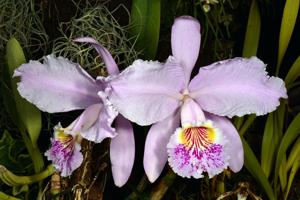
point(221, 184)
point(36, 157)
point(16, 180)
point(4, 196)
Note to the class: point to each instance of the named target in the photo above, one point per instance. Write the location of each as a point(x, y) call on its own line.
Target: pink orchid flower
point(59, 85)
point(149, 92)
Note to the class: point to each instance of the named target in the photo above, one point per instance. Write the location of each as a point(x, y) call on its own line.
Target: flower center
point(197, 148)
point(197, 137)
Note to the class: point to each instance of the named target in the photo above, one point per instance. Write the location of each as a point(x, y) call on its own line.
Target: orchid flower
point(149, 92)
point(59, 85)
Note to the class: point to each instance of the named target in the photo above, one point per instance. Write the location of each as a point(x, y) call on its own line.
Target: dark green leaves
point(29, 115)
point(253, 31)
point(288, 22)
point(145, 21)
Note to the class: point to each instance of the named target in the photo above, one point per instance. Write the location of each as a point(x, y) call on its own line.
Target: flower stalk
point(10, 179)
point(160, 190)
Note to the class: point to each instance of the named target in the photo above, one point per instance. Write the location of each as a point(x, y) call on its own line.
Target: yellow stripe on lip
point(197, 137)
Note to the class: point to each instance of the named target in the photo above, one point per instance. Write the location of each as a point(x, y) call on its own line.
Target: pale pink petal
point(191, 112)
point(108, 60)
point(57, 85)
point(122, 150)
point(87, 119)
point(237, 86)
point(147, 91)
point(185, 41)
point(102, 128)
point(234, 145)
point(155, 155)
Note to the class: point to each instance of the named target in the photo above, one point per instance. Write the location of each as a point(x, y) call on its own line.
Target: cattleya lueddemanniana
point(59, 85)
point(150, 92)
point(162, 94)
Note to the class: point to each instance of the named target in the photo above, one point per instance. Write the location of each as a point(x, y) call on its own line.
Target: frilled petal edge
point(237, 87)
point(57, 85)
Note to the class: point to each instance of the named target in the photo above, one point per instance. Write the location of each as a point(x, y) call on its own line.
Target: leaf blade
point(290, 135)
point(253, 31)
point(254, 168)
point(293, 73)
point(29, 115)
point(288, 22)
point(145, 19)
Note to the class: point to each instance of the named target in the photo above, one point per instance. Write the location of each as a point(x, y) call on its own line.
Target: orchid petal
point(57, 85)
point(234, 148)
point(155, 155)
point(147, 91)
point(237, 87)
point(191, 112)
point(185, 41)
point(108, 60)
point(122, 151)
point(87, 118)
point(102, 129)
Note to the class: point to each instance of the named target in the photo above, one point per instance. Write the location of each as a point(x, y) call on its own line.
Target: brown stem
point(160, 190)
point(140, 188)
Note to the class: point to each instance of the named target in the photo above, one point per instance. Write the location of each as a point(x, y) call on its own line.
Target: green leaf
point(283, 174)
point(9, 102)
point(238, 122)
point(271, 138)
point(293, 73)
point(19, 189)
point(295, 153)
point(247, 123)
point(289, 17)
point(4, 196)
point(28, 113)
point(253, 31)
point(267, 148)
point(290, 135)
point(293, 172)
point(145, 21)
point(254, 168)
point(12, 156)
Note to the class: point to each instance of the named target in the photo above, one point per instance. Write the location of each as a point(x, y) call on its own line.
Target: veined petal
point(64, 151)
point(155, 155)
point(108, 60)
point(234, 148)
point(102, 128)
point(87, 118)
point(191, 112)
point(57, 85)
point(237, 86)
point(185, 41)
point(122, 150)
point(198, 148)
point(147, 92)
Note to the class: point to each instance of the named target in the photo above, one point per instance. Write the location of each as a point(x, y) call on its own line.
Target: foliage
point(145, 20)
point(271, 144)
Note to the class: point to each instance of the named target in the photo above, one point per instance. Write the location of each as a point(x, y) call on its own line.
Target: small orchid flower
point(65, 150)
point(59, 85)
point(149, 92)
